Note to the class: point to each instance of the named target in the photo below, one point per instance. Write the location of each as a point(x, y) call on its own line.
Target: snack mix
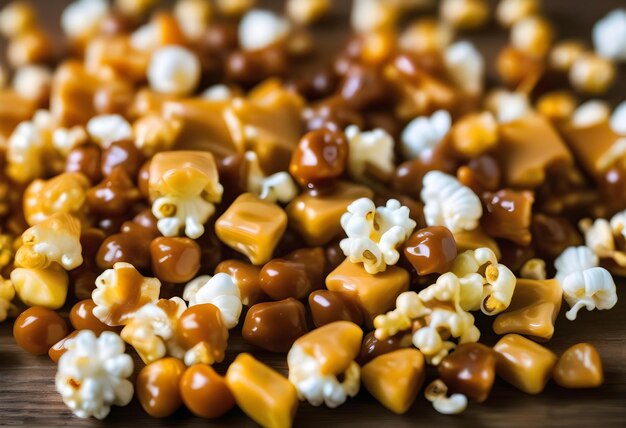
point(174, 180)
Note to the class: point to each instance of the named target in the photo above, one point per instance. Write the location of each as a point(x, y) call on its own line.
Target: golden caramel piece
point(580, 366)
point(592, 74)
point(316, 218)
point(474, 239)
point(524, 363)
point(54, 240)
point(395, 379)
point(533, 309)
point(64, 193)
point(31, 47)
point(263, 394)
point(305, 12)
point(158, 387)
point(507, 214)
point(474, 134)
point(469, 370)
point(14, 109)
point(146, 102)
point(528, 147)
point(73, 90)
point(153, 133)
point(557, 105)
point(606, 151)
point(252, 226)
point(117, 54)
point(375, 293)
point(426, 35)
point(269, 122)
point(41, 287)
point(202, 332)
point(464, 14)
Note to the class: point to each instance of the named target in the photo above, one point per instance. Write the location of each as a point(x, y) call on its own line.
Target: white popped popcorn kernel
point(174, 70)
point(374, 234)
point(609, 35)
point(591, 288)
point(32, 82)
point(218, 92)
point(508, 106)
point(92, 374)
point(436, 392)
point(424, 133)
point(26, 148)
point(259, 29)
point(278, 187)
point(449, 203)
point(219, 290)
point(466, 66)
point(82, 18)
point(409, 307)
point(372, 148)
point(618, 119)
point(66, 139)
point(108, 128)
point(590, 113)
point(574, 259)
point(534, 269)
point(618, 224)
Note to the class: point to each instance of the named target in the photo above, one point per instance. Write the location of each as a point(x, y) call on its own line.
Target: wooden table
point(28, 397)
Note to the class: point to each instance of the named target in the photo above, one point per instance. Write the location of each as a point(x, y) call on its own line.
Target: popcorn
point(532, 35)
point(618, 119)
point(41, 287)
point(54, 240)
point(219, 290)
point(374, 234)
point(7, 293)
point(591, 73)
point(174, 70)
point(509, 12)
point(600, 236)
point(120, 292)
point(574, 259)
point(92, 374)
point(108, 128)
point(27, 147)
point(278, 187)
point(259, 29)
point(371, 149)
point(449, 203)
point(218, 93)
point(32, 82)
point(409, 307)
point(372, 15)
point(423, 134)
point(508, 106)
point(609, 35)
point(81, 19)
point(16, 18)
point(534, 269)
point(153, 133)
point(592, 288)
point(590, 113)
point(465, 66)
point(436, 392)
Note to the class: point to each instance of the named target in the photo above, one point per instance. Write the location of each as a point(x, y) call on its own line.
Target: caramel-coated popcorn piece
point(580, 366)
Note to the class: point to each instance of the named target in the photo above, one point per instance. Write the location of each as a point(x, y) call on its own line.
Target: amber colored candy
point(533, 309)
point(73, 88)
point(252, 226)
point(158, 389)
point(114, 97)
point(395, 379)
point(204, 392)
point(295, 276)
point(523, 363)
point(518, 69)
point(580, 366)
point(373, 347)
point(364, 86)
point(37, 329)
point(332, 113)
point(86, 160)
point(330, 306)
point(263, 394)
point(469, 370)
point(274, 326)
point(376, 294)
point(319, 159)
point(480, 174)
point(250, 67)
point(131, 247)
point(60, 347)
point(174, 259)
point(82, 318)
point(431, 250)
point(203, 324)
point(114, 195)
point(507, 214)
point(246, 277)
point(122, 154)
point(556, 235)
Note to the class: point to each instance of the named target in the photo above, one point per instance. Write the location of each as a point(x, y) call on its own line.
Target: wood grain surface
point(28, 397)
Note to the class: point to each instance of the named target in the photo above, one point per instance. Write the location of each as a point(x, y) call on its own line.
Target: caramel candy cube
point(528, 147)
point(579, 367)
point(395, 379)
point(261, 392)
point(376, 293)
point(316, 218)
point(533, 309)
point(474, 239)
point(524, 363)
point(252, 226)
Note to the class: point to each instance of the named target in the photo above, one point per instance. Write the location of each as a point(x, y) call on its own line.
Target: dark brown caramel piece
point(329, 306)
point(205, 393)
point(333, 113)
point(174, 259)
point(158, 387)
point(556, 235)
point(251, 67)
point(319, 159)
point(132, 247)
point(317, 85)
point(122, 154)
point(480, 174)
point(372, 347)
point(580, 366)
point(295, 276)
point(431, 250)
point(83, 278)
point(203, 324)
point(37, 329)
point(408, 176)
point(469, 370)
point(246, 276)
point(82, 318)
point(274, 326)
point(507, 215)
point(114, 195)
point(86, 160)
point(364, 87)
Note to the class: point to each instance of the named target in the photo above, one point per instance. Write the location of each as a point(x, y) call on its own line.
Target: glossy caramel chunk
point(265, 395)
point(73, 90)
point(203, 325)
point(533, 309)
point(373, 347)
point(205, 393)
point(376, 294)
point(246, 277)
point(82, 317)
point(330, 306)
point(37, 329)
point(507, 214)
point(469, 370)
point(395, 379)
point(252, 226)
point(175, 259)
point(316, 218)
point(158, 387)
point(274, 326)
point(580, 366)
point(294, 276)
point(431, 250)
point(523, 363)
point(556, 233)
point(60, 347)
